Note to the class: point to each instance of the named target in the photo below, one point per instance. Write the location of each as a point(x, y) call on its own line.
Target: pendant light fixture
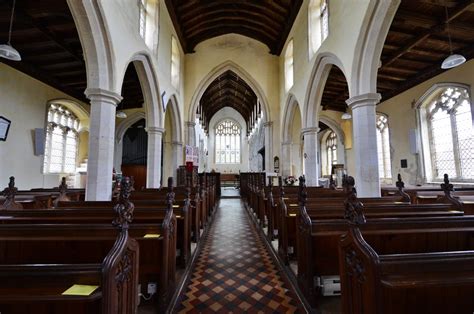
point(453, 60)
point(120, 113)
point(6, 50)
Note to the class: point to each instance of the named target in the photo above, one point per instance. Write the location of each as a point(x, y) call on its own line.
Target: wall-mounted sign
point(4, 128)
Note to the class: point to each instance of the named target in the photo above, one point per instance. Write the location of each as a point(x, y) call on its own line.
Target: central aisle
point(234, 271)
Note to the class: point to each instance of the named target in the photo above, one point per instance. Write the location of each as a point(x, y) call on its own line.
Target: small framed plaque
point(4, 127)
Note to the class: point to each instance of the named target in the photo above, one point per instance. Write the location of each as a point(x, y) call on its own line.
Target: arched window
point(383, 147)
point(142, 17)
point(227, 143)
point(451, 142)
point(318, 24)
point(61, 140)
point(289, 66)
point(175, 63)
point(331, 151)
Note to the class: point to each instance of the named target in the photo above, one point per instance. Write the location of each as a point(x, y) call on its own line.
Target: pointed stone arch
point(173, 106)
point(153, 106)
point(317, 82)
point(216, 72)
point(94, 37)
point(369, 46)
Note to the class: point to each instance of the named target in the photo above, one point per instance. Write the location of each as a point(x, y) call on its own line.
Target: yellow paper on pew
point(178, 216)
point(80, 290)
point(175, 206)
point(293, 205)
point(292, 215)
point(400, 202)
point(152, 235)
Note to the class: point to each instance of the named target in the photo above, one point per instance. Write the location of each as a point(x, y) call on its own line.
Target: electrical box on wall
point(403, 163)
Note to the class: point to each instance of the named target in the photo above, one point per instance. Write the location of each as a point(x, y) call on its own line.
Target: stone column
point(101, 143)
point(191, 134)
point(268, 146)
point(286, 158)
point(310, 155)
point(153, 171)
point(365, 144)
point(177, 158)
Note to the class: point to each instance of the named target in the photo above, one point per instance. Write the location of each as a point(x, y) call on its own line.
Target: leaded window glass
point(175, 63)
point(61, 143)
point(228, 143)
point(449, 120)
point(383, 147)
point(324, 20)
point(289, 66)
point(142, 18)
point(331, 150)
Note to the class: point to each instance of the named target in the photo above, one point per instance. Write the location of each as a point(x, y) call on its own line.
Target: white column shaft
point(311, 156)
point(268, 146)
point(365, 144)
point(101, 144)
point(153, 173)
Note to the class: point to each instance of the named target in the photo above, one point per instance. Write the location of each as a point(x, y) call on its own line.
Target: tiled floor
point(234, 272)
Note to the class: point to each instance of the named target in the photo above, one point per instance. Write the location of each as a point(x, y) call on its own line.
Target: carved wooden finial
point(353, 207)
point(448, 188)
point(170, 194)
point(302, 194)
point(9, 194)
point(62, 197)
point(401, 185)
point(332, 183)
point(124, 208)
point(280, 184)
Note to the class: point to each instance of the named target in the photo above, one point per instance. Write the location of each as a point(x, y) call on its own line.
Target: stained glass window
point(61, 141)
point(383, 147)
point(228, 143)
point(449, 120)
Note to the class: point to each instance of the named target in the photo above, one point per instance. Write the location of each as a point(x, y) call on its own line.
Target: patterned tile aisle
point(234, 272)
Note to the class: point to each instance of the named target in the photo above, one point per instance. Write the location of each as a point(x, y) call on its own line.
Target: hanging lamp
point(453, 60)
point(6, 50)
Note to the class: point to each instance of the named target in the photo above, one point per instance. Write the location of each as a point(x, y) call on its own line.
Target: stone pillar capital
point(310, 130)
point(190, 124)
point(268, 124)
point(102, 95)
point(155, 130)
point(364, 100)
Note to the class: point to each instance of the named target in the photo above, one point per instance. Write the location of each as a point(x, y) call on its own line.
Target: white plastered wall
point(24, 102)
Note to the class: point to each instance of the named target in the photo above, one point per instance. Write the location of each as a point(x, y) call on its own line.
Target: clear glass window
point(61, 141)
point(227, 143)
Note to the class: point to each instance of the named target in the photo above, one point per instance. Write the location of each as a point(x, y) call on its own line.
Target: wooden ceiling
point(268, 21)
point(45, 34)
point(416, 45)
point(228, 90)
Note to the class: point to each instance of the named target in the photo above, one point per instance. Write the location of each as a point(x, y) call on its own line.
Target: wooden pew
point(437, 277)
point(38, 287)
point(158, 261)
point(318, 236)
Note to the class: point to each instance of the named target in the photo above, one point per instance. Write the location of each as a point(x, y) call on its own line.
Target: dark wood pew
point(38, 287)
point(316, 234)
point(436, 277)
